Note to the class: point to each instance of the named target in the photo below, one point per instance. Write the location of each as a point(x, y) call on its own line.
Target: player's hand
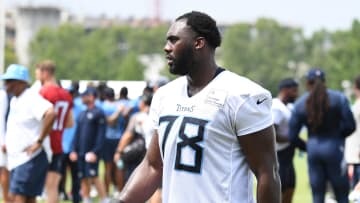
point(117, 157)
point(73, 156)
point(3, 148)
point(90, 157)
point(350, 171)
point(120, 108)
point(33, 148)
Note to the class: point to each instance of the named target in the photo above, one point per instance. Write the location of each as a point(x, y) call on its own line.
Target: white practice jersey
point(281, 115)
point(202, 158)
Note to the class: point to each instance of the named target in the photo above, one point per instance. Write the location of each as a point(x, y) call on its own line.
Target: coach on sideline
point(30, 120)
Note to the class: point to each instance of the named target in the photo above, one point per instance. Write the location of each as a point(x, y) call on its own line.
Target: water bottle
point(120, 164)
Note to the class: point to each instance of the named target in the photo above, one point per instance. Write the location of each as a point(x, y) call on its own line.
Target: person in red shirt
point(62, 101)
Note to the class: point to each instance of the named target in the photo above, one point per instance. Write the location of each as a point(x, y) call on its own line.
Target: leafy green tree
point(338, 53)
point(262, 51)
point(99, 54)
point(10, 56)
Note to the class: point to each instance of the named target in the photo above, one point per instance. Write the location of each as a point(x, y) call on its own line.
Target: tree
point(10, 56)
point(262, 51)
point(99, 54)
point(338, 53)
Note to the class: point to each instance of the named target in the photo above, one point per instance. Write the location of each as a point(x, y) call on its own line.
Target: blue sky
point(309, 14)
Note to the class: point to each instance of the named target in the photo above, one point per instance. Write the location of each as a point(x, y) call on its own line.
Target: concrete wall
point(28, 22)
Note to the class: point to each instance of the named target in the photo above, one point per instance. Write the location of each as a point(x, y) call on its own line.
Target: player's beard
point(183, 62)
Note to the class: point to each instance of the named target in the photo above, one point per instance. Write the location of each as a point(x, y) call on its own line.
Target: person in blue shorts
point(327, 116)
point(87, 144)
point(115, 126)
point(30, 120)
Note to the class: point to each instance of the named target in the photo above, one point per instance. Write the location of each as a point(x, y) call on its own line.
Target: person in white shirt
point(30, 120)
point(281, 110)
point(352, 143)
point(4, 173)
point(213, 128)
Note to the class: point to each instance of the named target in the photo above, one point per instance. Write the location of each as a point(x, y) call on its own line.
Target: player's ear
point(199, 42)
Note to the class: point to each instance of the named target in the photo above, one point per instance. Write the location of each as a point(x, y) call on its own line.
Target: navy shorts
point(28, 179)
point(108, 149)
point(86, 169)
point(57, 163)
point(286, 168)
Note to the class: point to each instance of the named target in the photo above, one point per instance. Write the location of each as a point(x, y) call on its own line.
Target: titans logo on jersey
point(198, 137)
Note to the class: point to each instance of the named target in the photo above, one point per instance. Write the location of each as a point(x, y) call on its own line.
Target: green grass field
point(302, 192)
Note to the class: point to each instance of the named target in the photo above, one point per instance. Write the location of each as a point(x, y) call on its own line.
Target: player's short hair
point(124, 91)
point(147, 98)
point(204, 26)
point(288, 83)
point(357, 82)
point(47, 65)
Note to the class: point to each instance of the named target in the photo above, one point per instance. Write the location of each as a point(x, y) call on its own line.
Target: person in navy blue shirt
point(327, 116)
point(87, 144)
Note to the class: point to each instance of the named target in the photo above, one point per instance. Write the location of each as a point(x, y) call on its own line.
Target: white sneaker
point(87, 200)
point(116, 194)
point(354, 195)
point(105, 200)
point(93, 192)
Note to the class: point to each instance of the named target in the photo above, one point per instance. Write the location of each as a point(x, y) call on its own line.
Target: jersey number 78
point(187, 140)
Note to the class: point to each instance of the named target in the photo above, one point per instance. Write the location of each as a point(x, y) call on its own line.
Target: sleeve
point(295, 126)
point(39, 106)
point(347, 122)
point(254, 114)
point(131, 125)
point(101, 121)
point(155, 110)
point(277, 115)
point(3, 110)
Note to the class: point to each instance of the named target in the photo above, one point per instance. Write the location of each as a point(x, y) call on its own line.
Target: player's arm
point(259, 150)
point(147, 176)
point(112, 119)
point(281, 138)
point(75, 142)
point(100, 135)
point(347, 121)
point(295, 124)
point(48, 120)
point(125, 138)
point(69, 120)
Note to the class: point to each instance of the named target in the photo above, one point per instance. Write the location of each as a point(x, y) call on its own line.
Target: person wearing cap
point(281, 110)
point(87, 144)
point(328, 118)
point(139, 125)
point(67, 140)
point(352, 145)
point(63, 103)
point(30, 119)
point(115, 126)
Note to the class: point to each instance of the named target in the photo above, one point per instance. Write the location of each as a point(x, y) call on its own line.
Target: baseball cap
point(315, 73)
point(288, 83)
point(16, 72)
point(90, 91)
point(109, 92)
